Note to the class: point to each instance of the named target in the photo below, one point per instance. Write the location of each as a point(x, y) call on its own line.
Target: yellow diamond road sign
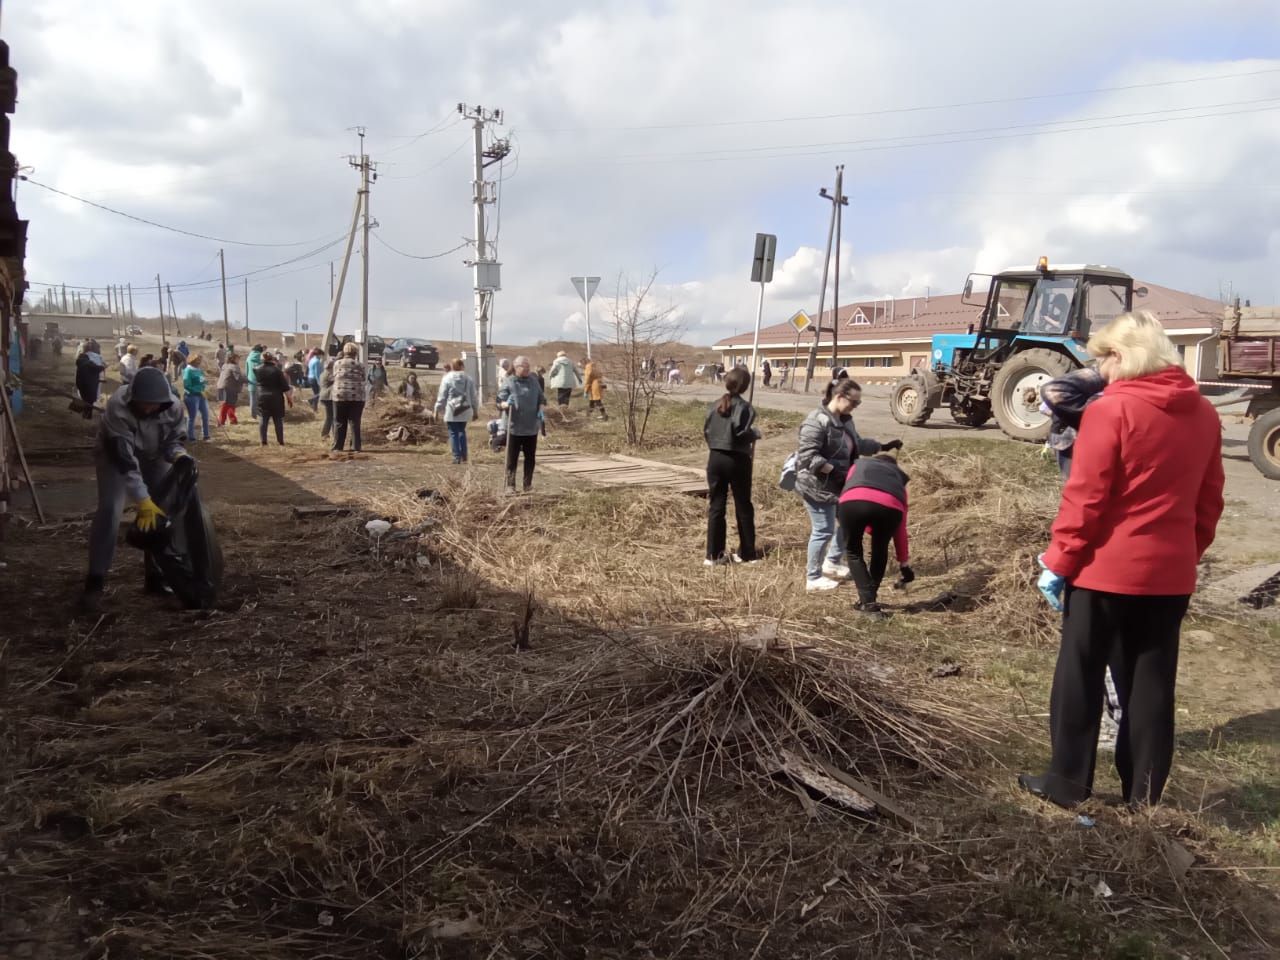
point(800, 321)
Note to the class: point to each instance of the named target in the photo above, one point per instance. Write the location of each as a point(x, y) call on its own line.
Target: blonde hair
point(1139, 343)
point(195, 360)
point(351, 349)
point(131, 349)
point(459, 364)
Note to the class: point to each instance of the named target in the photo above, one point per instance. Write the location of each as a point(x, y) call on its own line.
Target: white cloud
point(231, 120)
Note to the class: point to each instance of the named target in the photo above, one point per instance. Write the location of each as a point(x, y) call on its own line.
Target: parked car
point(411, 352)
point(133, 330)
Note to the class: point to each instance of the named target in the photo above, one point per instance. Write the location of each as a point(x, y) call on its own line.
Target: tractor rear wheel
point(1264, 444)
point(908, 402)
point(1015, 392)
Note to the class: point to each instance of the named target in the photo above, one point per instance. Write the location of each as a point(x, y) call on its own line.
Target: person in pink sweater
point(874, 501)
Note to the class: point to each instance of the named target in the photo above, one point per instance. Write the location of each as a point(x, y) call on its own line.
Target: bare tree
point(640, 330)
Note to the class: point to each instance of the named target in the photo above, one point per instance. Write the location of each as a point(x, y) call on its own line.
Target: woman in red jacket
point(1137, 514)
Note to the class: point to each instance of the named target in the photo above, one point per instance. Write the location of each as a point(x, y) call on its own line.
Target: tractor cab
point(1033, 327)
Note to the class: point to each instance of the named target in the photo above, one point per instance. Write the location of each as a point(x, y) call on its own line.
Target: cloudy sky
point(645, 134)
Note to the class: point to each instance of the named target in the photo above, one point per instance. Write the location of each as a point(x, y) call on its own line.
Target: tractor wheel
point(1264, 444)
point(1015, 392)
point(977, 413)
point(908, 403)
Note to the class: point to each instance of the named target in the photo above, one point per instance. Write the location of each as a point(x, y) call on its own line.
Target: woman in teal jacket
point(193, 387)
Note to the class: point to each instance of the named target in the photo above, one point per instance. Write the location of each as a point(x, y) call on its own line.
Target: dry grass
point(354, 760)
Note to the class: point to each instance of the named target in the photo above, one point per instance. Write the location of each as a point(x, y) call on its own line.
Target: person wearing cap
point(251, 364)
point(563, 379)
point(140, 434)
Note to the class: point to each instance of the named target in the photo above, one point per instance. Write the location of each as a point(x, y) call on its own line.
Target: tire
point(907, 402)
point(1015, 392)
point(431, 366)
point(1264, 444)
point(977, 415)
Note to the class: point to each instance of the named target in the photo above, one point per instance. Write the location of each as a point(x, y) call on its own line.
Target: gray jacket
point(125, 439)
point(525, 398)
point(826, 438)
point(457, 384)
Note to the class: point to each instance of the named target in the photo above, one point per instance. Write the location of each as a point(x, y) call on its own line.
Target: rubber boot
point(90, 603)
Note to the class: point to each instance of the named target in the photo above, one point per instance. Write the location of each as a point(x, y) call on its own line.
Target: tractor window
point(1050, 312)
point(1103, 302)
point(1010, 304)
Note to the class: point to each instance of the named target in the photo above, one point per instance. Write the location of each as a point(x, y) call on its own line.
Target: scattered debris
point(824, 784)
point(1084, 821)
point(1101, 889)
point(1178, 858)
point(947, 668)
point(326, 510)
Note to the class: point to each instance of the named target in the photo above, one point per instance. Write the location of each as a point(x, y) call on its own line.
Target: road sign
point(800, 321)
point(586, 286)
point(305, 328)
point(762, 265)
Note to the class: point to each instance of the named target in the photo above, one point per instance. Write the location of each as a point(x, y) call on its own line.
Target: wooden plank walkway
point(617, 470)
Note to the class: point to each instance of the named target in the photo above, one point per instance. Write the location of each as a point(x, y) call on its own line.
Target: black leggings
point(347, 412)
point(271, 407)
point(1138, 637)
point(855, 517)
point(529, 447)
point(730, 471)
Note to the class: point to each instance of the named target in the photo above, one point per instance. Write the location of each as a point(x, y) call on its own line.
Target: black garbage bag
point(183, 548)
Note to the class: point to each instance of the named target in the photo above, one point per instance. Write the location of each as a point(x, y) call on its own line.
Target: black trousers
point(347, 412)
point(1138, 637)
point(271, 407)
point(730, 472)
point(855, 516)
point(529, 447)
point(563, 395)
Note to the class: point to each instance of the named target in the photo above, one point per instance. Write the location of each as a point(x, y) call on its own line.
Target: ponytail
point(736, 382)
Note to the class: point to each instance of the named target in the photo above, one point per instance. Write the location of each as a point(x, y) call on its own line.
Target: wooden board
point(619, 470)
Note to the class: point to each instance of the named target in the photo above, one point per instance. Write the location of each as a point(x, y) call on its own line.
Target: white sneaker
point(737, 558)
point(822, 583)
point(835, 571)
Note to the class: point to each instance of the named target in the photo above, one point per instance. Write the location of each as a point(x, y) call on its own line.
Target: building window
point(886, 361)
point(860, 318)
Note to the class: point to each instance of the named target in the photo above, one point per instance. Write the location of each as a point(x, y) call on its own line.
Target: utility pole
point(485, 267)
point(247, 338)
point(131, 313)
point(160, 300)
point(226, 319)
point(822, 295)
point(368, 173)
point(330, 281)
point(342, 274)
point(839, 205)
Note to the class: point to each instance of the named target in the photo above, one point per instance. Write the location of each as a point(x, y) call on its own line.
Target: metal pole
point(226, 317)
point(160, 300)
point(822, 299)
point(755, 346)
point(586, 300)
point(342, 277)
point(835, 314)
point(246, 311)
point(364, 252)
point(477, 189)
point(795, 362)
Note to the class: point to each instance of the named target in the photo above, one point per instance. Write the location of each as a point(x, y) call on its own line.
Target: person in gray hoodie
point(522, 399)
point(829, 444)
point(142, 432)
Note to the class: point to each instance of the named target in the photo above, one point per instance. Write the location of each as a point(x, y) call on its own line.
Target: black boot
point(90, 603)
point(1054, 789)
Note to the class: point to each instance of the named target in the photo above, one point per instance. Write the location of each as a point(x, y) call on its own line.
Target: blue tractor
point(1033, 327)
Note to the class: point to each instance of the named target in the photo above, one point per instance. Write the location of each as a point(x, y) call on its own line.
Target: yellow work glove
point(148, 514)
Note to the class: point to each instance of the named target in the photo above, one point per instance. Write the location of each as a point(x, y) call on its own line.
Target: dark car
point(377, 346)
point(412, 353)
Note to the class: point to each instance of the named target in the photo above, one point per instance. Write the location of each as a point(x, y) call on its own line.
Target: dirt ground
point(539, 727)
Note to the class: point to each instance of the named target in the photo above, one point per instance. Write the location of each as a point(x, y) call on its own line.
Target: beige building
point(883, 340)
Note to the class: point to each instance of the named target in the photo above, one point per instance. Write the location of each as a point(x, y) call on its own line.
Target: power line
point(161, 226)
point(448, 156)
point(913, 109)
point(414, 256)
point(877, 144)
point(440, 127)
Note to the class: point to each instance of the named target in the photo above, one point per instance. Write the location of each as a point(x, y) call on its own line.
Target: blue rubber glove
point(1051, 585)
